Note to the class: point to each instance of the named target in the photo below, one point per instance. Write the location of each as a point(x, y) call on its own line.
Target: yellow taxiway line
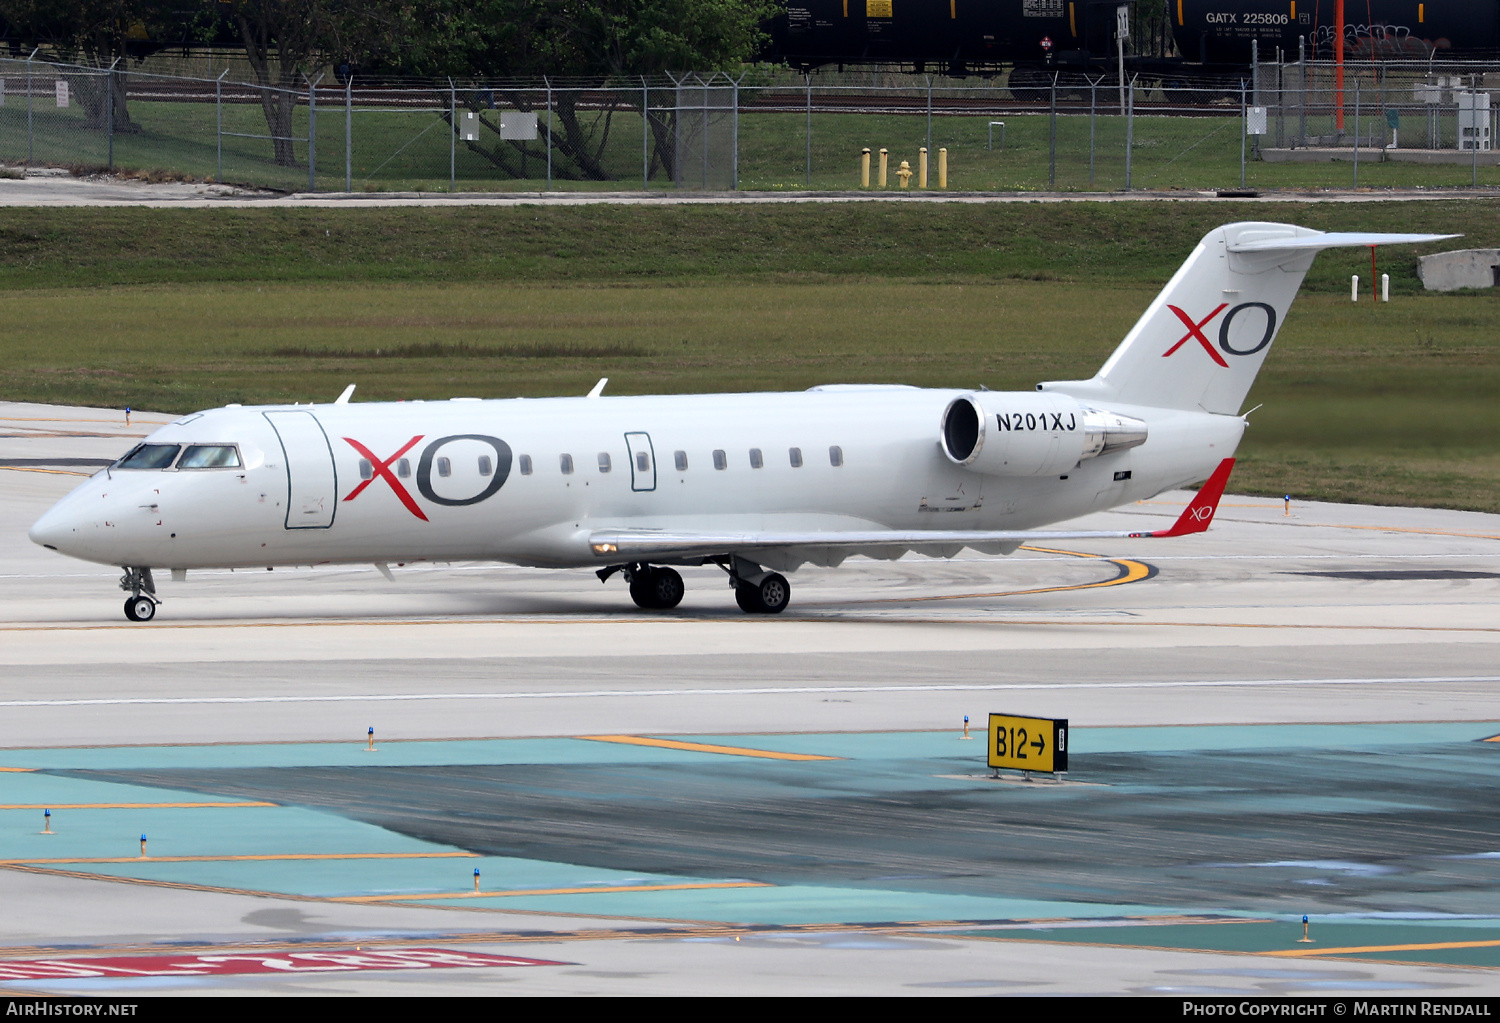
point(702, 747)
point(592, 890)
point(124, 806)
point(1297, 953)
point(264, 856)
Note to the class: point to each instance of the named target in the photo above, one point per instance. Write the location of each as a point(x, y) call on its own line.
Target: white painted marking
point(758, 691)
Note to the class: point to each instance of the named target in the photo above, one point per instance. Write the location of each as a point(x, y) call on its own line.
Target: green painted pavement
point(1282, 936)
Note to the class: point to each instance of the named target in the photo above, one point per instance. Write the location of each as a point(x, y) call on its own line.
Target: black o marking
point(1270, 328)
point(502, 469)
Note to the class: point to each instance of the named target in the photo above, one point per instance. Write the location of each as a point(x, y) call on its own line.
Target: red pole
point(1338, 66)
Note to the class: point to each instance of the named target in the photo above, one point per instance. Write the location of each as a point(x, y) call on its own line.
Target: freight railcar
point(1222, 32)
point(1179, 40)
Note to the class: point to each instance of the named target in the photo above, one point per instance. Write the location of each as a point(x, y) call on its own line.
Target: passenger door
point(312, 481)
point(642, 461)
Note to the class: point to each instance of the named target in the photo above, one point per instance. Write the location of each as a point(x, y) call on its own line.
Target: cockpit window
point(210, 456)
point(149, 456)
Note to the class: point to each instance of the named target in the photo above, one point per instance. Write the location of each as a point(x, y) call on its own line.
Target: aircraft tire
point(748, 598)
point(666, 588)
point(140, 609)
point(774, 594)
point(643, 588)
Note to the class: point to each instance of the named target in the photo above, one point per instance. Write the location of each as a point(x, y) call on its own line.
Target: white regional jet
point(757, 484)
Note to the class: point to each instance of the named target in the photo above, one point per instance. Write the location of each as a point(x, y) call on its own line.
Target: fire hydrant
point(905, 174)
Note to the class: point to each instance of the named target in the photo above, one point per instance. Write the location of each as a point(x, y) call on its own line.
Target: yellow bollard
point(47, 817)
point(143, 845)
point(966, 726)
point(922, 168)
point(1288, 500)
point(370, 748)
point(943, 167)
point(882, 168)
point(476, 879)
point(864, 168)
point(904, 173)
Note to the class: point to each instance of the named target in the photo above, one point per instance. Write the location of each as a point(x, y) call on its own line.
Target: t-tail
point(1203, 339)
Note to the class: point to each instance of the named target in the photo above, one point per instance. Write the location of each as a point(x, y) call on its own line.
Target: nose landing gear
point(140, 606)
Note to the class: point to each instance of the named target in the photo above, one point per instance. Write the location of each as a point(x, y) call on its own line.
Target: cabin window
point(525, 461)
point(642, 461)
point(486, 465)
point(210, 456)
point(445, 467)
point(566, 461)
point(835, 456)
point(403, 468)
point(680, 457)
point(149, 456)
point(604, 462)
point(756, 461)
point(366, 470)
point(721, 460)
point(795, 454)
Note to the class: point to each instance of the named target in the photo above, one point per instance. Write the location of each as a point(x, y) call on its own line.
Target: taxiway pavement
point(1352, 617)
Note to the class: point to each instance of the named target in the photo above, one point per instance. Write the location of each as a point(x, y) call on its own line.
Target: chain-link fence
point(1280, 125)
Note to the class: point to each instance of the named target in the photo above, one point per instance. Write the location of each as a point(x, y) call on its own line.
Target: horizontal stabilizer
point(1334, 240)
point(645, 544)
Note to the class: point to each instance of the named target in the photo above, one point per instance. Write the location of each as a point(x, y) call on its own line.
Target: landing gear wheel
point(666, 589)
point(641, 589)
point(775, 594)
point(770, 597)
point(140, 609)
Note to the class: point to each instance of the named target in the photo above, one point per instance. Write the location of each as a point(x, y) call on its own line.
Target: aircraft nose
point(57, 530)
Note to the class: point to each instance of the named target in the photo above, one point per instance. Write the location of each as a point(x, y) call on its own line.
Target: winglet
point(343, 399)
point(598, 388)
point(1200, 511)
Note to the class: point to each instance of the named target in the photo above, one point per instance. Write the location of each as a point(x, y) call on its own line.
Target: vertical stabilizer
point(1202, 341)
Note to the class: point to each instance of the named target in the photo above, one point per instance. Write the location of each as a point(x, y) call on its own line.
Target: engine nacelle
point(1020, 433)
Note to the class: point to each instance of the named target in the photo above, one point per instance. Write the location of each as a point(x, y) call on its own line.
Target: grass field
point(176, 310)
point(409, 149)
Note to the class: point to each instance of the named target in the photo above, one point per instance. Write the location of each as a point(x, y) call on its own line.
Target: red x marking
point(383, 471)
point(1195, 330)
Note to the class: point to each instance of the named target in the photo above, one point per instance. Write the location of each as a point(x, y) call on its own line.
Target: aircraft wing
point(645, 544)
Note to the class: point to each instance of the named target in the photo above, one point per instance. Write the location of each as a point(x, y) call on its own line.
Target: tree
point(289, 41)
point(602, 41)
point(96, 33)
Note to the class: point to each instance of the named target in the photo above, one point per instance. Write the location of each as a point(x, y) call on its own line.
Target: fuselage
point(527, 480)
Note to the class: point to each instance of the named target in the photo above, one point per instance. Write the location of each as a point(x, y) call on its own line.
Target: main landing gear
point(757, 591)
point(654, 588)
point(140, 606)
point(657, 588)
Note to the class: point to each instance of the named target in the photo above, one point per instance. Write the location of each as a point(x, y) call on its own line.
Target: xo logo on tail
point(1195, 330)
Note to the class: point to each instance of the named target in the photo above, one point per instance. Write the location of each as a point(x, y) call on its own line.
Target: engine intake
point(1023, 433)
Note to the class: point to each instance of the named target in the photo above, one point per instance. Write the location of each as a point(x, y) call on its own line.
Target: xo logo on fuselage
point(1195, 331)
point(450, 490)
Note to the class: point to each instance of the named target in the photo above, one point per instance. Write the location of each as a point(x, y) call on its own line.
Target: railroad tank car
point(1035, 36)
point(955, 35)
point(1220, 32)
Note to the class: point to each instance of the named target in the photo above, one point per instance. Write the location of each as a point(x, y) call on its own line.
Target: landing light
point(605, 548)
